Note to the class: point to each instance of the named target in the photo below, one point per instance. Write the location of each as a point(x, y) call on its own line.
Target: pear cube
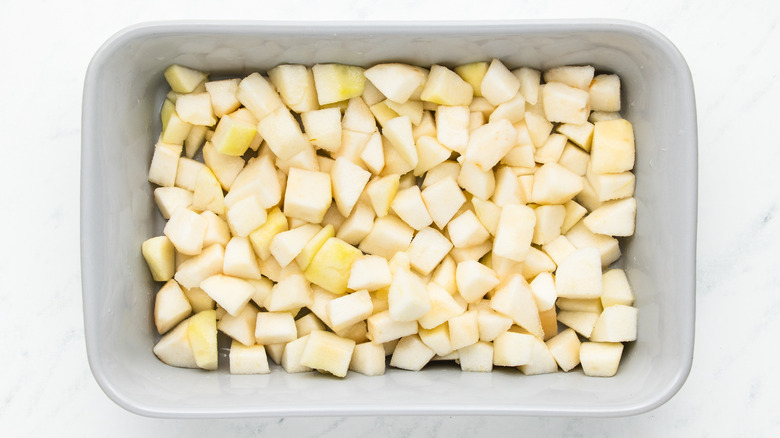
point(565, 348)
point(445, 87)
point(443, 308)
point(174, 347)
point(476, 357)
point(308, 195)
point(515, 299)
point(512, 349)
point(616, 289)
point(338, 82)
point(396, 81)
point(240, 327)
point(248, 359)
point(287, 245)
point(452, 127)
point(565, 104)
point(165, 163)
point(489, 143)
point(579, 275)
point(427, 250)
point(388, 236)
point(408, 297)
point(275, 327)
point(331, 265)
point(382, 328)
point(170, 307)
point(616, 323)
point(499, 84)
point(604, 93)
point(600, 359)
point(368, 359)
point(613, 218)
point(411, 354)
point(159, 255)
point(193, 271)
point(349, 309)
point(202, 334)
point(542, 360)
point(613, 146)
point(231, 293)
point(514, 232)
point(325, 351)
point(183, 79)
point(348, 181)
point(186, 231)
point(474, 280)
point(443, 199)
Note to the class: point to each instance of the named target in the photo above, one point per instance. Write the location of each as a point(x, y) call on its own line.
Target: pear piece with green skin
point(159, 255)
point(261, 238)
point(338, 82)
point(233, 136)
point(331, 265)
point(313, 245)
point(202, 335)
point(183, 79)
point(473, 73)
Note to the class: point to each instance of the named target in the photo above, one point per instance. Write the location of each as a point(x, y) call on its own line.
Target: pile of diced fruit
point(330, 217)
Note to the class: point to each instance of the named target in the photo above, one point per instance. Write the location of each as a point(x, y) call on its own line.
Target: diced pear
point(357, 226)
point(511, 349)
point(368, 359)
point(542, 361)
point(176, 130)
point(241, 327)
point(411, 108)
point(196, 109)
point(617, 323)
point(165, 163)
point(282, 133)
point(515, 299)
point(408, 297)
point(588, 196)
point(183, 79)
point(579, 275)
point(609, 186)
point(223, 96)
point(427, 249)
point(338, 82)
point(370, 273)
point(581, 322)
point(574, 159)
point(358, 117)
point(452, 127)
point(477, 357)
point(231, 293)
point(233, 136)
point(382, 328)
point(489, 143)
point(554, 184)
point(491, 323)
point(331, 265)
point(488, 214)
point(381, 192)
point(613, 146)
point(291, 355)
point(262, 237)
point(186, 230)
point(600, 359)
point(464, 330)
point(388, 236)
point(409, 206)
point(202, 335)
point(396, 81)
point(443, 199)
point(565, 104)
point(574, 212)
point(475, 252)
point(411, 354)
point(245, 216)
point(240, 260)
point(578, 76)
point(473, 73)
point(313, 245)
point(326, 351)
point(529, 83)
point(170, 307)
point(581, 237)
point(512, 110)
point(437, 339)
point(275, 327)
point(440, 172)
point(539, 128)
point(605, 93)
point(543, 288)
point(474, 280)
point(398, 131)
point(225, 167)
point(174, 347)
point(514, 232)
point(373, 155)
point(348, 181)
point(565, 348)
point(592, 305)
point(426, 127)
point(308, 195)
point(549, 219)
point(443, 307)
point(536, 262)
point(295, 84)
point(478, 182)
point(258, 95)
point(187, 173)
point(613, 218)
point(445, 87)
point(616, 289)
point(193, 271)
point(258, 179)
point(292, 292)
point(499, 84)
point(208, 193)
point(465, 230)
point(549, 320)
point(287, 245)
point(250, 359)
point(168, 108)
point(159, 255)
point(349, 309)
point(581, 135)
point(323, 128)
point(551, 150)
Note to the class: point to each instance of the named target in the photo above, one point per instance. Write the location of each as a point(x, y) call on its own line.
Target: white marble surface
point(732, 48)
